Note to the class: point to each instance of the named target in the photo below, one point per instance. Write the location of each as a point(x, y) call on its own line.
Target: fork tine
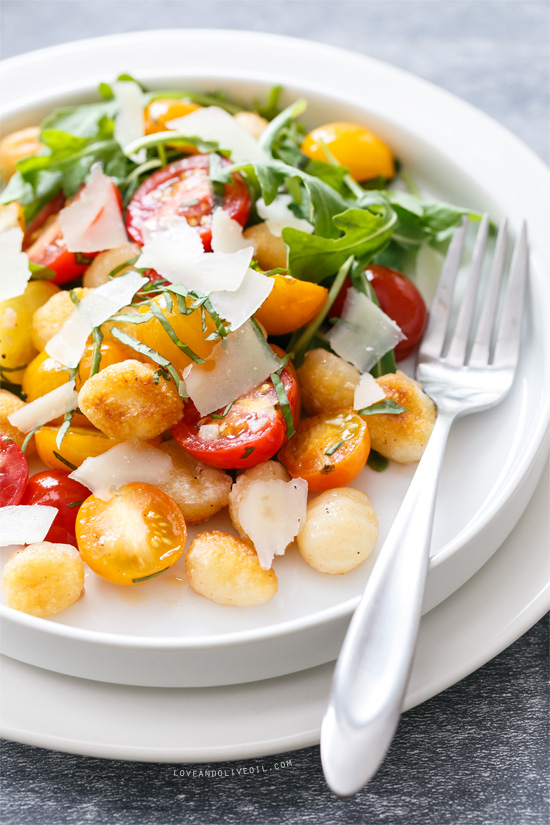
point(456, 354)
point(481, 349)
point(509, 331)
point(434, 336)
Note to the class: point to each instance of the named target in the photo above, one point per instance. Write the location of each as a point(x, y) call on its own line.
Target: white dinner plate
point(62, 713)
point(163, 634)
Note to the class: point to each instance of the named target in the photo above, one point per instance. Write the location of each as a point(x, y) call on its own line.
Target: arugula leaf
point(86, 120)
point(279, 125)
point(201, 98)
point(314, 258)
point(270, 108)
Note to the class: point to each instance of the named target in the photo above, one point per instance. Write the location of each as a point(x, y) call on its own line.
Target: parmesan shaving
point(367, 392)
point(44, 409)
point(68, 345)
point(123, 464)
point(94, 222)
point(175, 251)
point(235, 367)
point(238, 306)
point(364, 333)
point(209, 432)
point(25, 523)
point(15, 264)
point(272, 513)
point(277, 216)
point(129, 120)
point(214, 123)
point(227, 234)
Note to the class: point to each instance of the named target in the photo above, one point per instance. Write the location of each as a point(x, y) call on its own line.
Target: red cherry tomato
point(14, 472)
point(400, 299)
point(183, 188)
point(253, 430)
point(54, 488)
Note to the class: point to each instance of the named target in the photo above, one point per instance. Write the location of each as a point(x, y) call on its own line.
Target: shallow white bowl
point(163, 634)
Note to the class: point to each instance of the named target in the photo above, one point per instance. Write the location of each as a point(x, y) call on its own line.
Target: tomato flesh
point(252, 431)
point(133, 536)
point(328, 450)
point(14, 472)
point(399, 298)
point(54, 488)
point(183, 188)
point(45, 246)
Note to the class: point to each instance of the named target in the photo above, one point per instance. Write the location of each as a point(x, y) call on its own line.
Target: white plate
point(163, 634)
point(243, 721)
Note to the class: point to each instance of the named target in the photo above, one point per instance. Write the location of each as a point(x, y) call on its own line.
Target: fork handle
point(373, 669)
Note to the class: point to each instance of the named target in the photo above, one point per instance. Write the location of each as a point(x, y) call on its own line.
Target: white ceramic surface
point(49, 710)
point(163, 634)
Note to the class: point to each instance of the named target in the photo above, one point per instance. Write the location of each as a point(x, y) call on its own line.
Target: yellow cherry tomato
point(360, 151)
point(162, 110)
point(290, 304)
point(44, 374)
point(18, 145)
point(78, 444)
point(134, 536)
point(16, 347)
point(188, 328)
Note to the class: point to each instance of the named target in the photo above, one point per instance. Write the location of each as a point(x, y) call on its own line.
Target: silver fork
point(464, 371)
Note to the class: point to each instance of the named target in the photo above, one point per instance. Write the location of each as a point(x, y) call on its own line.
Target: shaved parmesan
point(272, 513)
point(238, 306)
point(44, 409)
point(237, 365)
point(175, 254)
point(129, 120)
point(227, 234)
point(213, 123)
point(367, 392)
point(94, 221)
point(364, 333)
point(68, 345)
point(277, 216)
point(15, 264)
point(123, 464)
point(209, 432)
point(25, 523)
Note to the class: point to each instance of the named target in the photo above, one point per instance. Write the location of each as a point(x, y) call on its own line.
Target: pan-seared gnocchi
point(50, 317)
point(129, 400)
point(270, 250)
point(340, 532)
point(227, 571)
point(43, 578)
point(403, 437)
point(199, 491)
point(103, 264)
point(10, 403)
point(327, 382)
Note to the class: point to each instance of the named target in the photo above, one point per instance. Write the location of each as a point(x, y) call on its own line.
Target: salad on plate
point(203, 304)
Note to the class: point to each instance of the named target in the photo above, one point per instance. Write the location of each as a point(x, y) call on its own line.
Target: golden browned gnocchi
point(128, 400)
point(16, 146)
point(340, 532)
point(103, 264)
point(267, 471)
point(270, 250)
point(227, 571)
point(50, 317)
point(43, 578)
point(327, 382)
point(10, 403)
point(252, 122)
point(403, 437)
point(199, 491)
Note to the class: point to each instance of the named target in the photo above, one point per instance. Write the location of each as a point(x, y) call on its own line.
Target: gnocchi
point(327, 382)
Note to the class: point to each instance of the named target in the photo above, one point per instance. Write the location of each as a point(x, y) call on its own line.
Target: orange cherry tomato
point(356, 148)
point(161, 111)
point(290, 304)
point(78, 444)
point(134, 536)
point(328, 450)
point(188, 328)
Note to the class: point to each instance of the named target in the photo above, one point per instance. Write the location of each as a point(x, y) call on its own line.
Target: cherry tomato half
point(183, 188)
point(137, 534)
point(328, 450)
point(399, 298)
point(251, 432)
point(54, 488)
point(14, 472)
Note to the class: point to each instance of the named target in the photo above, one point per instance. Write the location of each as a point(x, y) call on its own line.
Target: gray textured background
point(478, 753)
